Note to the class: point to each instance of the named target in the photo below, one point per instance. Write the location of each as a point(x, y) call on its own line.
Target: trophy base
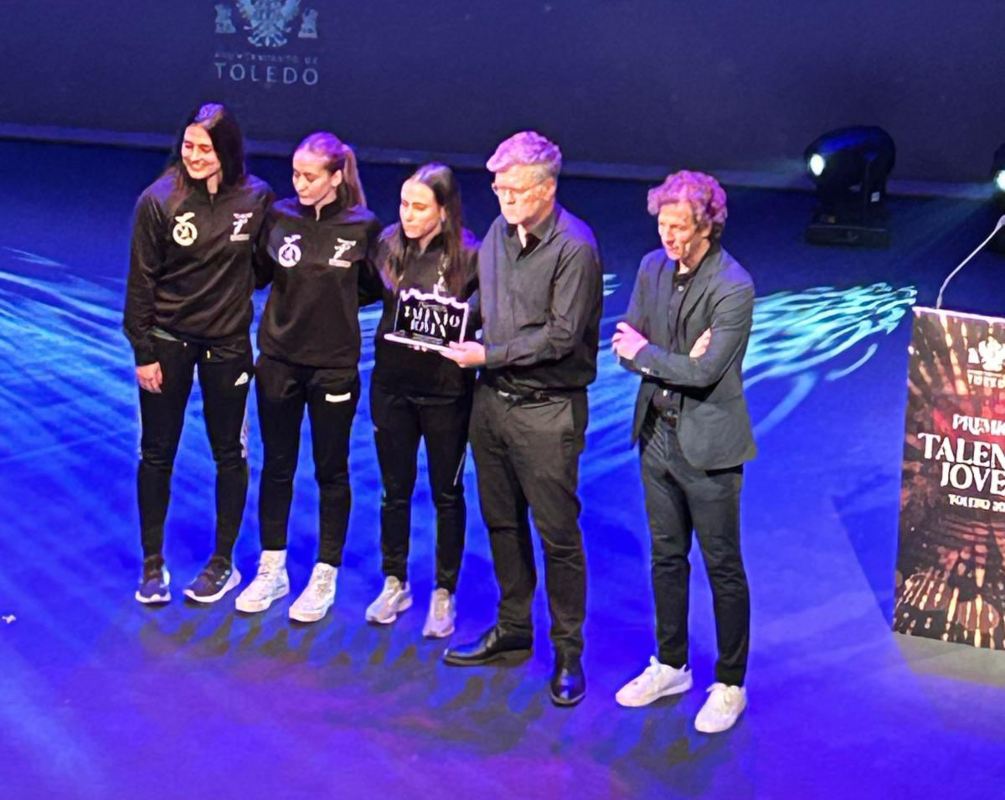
point(439, 348)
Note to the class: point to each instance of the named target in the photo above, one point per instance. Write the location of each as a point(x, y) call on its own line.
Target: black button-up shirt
point(666, 399)
point(541, 305)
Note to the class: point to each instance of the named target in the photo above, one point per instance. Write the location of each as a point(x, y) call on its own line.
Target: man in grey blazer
point(685, 333)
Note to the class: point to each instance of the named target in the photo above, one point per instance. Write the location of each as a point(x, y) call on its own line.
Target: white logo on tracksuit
point(290, 253)
point(240, 220)
point(343, 247)
point(185, 232)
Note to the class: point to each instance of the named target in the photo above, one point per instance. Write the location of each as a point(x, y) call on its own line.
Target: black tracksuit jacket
point(190, 270)
point(321, 271)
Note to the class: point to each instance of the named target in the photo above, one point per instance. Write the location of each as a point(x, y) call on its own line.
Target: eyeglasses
point(506, 192)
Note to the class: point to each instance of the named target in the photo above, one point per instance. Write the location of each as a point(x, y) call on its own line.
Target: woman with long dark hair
point(317, 252)
point(188, 305)
point(416, 394)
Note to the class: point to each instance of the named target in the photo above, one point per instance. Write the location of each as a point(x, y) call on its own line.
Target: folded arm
point(732, 317)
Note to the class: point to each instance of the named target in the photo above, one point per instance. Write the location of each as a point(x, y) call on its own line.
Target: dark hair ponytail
point(338, 156)
point(441, 181)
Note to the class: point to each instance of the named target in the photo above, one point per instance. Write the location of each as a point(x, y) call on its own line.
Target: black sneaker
point(154, 584)
point(217, 578)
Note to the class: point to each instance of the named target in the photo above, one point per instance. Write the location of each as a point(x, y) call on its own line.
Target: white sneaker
point(721, 710)
point(394, 598)
point(270, 583)
point(441, 616)
point(318, 597)
point(657, 680)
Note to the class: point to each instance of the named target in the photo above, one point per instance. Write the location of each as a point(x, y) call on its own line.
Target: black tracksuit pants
point(399, 422)
point(681, 498)
point(527, 457)
point(330, 396)
point(225, 373)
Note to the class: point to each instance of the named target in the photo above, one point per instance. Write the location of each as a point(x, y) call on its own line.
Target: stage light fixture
point(850, 167)
point(998, 175)
point(998, 195)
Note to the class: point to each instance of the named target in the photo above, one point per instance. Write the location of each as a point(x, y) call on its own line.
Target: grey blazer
point(714, 426)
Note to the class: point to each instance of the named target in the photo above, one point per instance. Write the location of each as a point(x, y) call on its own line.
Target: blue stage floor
point(101, 697)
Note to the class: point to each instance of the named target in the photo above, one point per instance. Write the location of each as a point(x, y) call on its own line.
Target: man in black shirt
point(686, 332)
point(541, 291)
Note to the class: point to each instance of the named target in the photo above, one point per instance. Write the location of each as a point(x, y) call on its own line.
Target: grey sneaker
point(318, 597)
point(270, 583)
point(393, 599)
point(442, 615)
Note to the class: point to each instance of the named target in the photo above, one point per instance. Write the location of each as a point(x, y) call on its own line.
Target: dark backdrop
point(714, 84)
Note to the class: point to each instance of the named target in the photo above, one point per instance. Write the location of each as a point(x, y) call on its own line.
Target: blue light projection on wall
point(809, 336)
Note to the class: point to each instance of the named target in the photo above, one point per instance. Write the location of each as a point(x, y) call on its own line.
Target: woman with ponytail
point(317, 252)
point(417, 394)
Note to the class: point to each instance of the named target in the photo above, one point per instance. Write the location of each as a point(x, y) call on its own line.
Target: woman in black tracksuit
point(419, 394)
point(317, 252)
point(188, 305)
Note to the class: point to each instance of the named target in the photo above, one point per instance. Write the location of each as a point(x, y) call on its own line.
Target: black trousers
point(330, 396)
point(225, 374)
point(527, 457)
point(679, 499)
point(399, 422)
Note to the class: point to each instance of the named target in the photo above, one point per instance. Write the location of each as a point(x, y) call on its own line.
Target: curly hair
point(702, 192)
point(527, 148)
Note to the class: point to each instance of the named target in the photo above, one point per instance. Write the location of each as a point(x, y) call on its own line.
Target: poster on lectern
point(950, 580)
